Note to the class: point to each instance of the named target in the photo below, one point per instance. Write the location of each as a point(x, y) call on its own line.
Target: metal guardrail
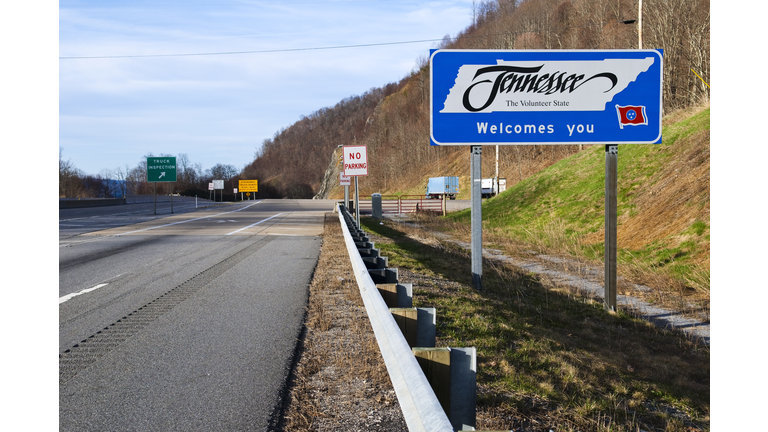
point(421, 409)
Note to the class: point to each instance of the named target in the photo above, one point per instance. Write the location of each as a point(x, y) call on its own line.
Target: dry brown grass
point(667, 206)
point(340, 381)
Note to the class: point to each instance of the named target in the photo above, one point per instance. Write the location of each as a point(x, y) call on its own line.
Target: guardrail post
point(397, 295)
point(383, 276)
point(426, 327)
point(407, 320)
point(372, 263)
point(364, 244)
point(389, 294)
point(452, 373)
point(436, 364)
point(463, 388)
point(417, 324)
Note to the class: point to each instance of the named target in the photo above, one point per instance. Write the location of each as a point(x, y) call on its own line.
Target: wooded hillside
point(393, 120)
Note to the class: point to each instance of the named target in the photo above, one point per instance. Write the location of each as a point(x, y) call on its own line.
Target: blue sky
point(141, 96)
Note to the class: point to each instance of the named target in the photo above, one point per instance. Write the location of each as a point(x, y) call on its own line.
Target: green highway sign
point(161, 169)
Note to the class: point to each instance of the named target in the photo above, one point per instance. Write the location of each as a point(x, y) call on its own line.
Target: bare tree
point(70, 185)
point(120, 177)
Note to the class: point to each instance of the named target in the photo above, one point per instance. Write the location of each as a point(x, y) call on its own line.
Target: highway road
point(182, 322)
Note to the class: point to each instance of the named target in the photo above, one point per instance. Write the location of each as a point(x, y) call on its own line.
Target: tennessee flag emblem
point(631, 115)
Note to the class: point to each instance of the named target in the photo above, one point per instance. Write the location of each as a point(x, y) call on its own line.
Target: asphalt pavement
point(182, 322)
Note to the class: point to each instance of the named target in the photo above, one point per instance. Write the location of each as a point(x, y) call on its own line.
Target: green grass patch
point(562, 205)
point(545, 352)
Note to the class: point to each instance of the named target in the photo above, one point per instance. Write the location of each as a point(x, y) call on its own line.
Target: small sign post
point(218, 185)
point(248, 186)
point(161, 169)
point(355, 159)
point(611, 182)
point(345, 181)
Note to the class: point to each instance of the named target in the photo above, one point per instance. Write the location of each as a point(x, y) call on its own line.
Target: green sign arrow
point(161, 169)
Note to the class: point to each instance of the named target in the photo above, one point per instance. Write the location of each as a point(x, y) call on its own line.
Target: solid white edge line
point(87, 290)
point(185, 221)
point(263, 220)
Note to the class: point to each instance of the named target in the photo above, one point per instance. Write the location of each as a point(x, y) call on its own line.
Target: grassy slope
point(663, 203)
point(546, 354)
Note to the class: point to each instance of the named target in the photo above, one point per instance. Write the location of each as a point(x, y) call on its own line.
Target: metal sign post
point(161, 169)
point(248, 185)
point(345, 181)
point(355, 160)
point(218, 184)
point(357, 203)
point(477, 216)
point(611, 181)
point(346, 196)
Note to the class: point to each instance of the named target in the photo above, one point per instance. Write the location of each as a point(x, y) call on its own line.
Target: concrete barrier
point(68, 203)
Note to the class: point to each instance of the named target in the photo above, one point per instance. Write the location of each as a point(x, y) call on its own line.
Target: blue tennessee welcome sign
point(545, 97)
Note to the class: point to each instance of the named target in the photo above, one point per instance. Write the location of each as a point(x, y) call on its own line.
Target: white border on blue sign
point(655, 52)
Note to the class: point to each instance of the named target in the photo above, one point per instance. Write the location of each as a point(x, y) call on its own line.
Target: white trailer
point(492, 188)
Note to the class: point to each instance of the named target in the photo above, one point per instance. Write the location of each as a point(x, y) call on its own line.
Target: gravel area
point(340, 381)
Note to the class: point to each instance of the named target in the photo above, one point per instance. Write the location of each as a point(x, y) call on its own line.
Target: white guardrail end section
point(420, 406)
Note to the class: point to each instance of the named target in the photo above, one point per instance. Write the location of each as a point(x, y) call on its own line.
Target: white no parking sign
point(355, 160)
